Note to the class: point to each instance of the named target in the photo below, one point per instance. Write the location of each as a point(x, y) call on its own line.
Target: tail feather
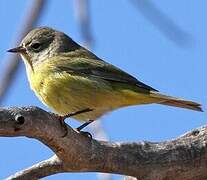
point(176, 102)
point(183, 104)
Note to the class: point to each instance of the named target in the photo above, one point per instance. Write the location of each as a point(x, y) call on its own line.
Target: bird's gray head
point(42, 43)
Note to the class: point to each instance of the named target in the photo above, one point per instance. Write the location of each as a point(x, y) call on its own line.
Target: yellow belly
point(65, 93)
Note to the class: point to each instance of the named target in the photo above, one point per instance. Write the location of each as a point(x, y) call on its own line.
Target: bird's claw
point(86, 134)
point(64, 125)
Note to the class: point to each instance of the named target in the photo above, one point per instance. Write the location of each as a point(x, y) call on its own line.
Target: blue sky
point(125, 38)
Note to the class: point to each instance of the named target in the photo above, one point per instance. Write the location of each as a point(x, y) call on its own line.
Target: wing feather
point(101, 69)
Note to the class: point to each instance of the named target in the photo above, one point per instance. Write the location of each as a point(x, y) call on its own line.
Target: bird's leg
point(62, 119)
point(77, 113)
point(83, 126)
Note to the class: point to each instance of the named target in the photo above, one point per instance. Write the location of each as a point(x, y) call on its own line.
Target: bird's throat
point(27, 62)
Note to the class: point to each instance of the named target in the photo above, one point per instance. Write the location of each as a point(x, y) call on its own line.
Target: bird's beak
point(19, 49)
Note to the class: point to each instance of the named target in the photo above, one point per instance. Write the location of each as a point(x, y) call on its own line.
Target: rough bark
point(182, 158)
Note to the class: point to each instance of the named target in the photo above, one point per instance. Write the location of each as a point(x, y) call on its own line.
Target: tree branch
point(45, 168)
point(181, 158)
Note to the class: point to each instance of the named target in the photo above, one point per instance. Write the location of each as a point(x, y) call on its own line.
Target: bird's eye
point(36, 46)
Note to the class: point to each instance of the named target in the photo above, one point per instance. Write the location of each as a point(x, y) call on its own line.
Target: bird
point(67, 78)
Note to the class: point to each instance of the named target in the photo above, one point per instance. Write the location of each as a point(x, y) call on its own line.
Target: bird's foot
point(64, 125)
point(84, 133)
point(61, 119)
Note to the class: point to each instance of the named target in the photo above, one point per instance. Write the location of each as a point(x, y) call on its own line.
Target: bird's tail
point(177, 102)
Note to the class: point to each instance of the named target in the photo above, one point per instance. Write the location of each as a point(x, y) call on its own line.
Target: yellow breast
point(66, 93)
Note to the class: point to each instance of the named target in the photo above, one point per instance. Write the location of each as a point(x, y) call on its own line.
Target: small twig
point(31, 18)
point(162, 22)
point(45, 168)
point(82, 13)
